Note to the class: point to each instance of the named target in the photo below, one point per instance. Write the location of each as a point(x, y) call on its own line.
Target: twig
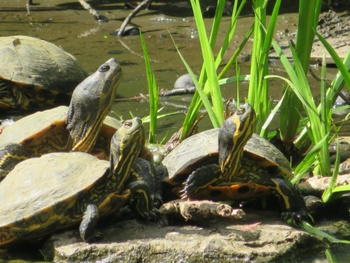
point(92, 11)
point(131, 15)
point(198, 210)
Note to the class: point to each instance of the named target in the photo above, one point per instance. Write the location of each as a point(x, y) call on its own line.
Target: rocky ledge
point(260, 237)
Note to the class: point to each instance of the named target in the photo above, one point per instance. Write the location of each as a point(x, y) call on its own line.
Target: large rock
point(261, 238)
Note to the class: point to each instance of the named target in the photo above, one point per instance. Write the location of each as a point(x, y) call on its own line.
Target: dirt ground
point(333, 26)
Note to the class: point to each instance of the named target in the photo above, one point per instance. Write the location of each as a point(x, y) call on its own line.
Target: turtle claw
point(183, 192)
point(183, 195)
point(189, 189)
point(95, 237)
point(296, 218)
point(150, 215)
point(154, 214)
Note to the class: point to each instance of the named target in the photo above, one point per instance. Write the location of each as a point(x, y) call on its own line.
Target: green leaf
point(153, 93)
point(313, 230)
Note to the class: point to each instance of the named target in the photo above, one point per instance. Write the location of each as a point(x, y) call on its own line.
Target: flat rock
point(262, 237)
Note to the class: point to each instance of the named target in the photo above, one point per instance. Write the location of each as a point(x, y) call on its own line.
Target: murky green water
point(66, 24)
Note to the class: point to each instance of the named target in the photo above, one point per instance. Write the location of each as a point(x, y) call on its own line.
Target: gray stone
point(261, 238)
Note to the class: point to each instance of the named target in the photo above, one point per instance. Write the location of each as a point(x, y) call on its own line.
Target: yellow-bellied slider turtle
point(36, 74)
point(73, 128)
point(220, 165)
point(60, 190)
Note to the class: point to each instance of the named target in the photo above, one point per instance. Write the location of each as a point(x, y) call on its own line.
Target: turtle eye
point(240, 111)
point(104, 68)
point(128, 124)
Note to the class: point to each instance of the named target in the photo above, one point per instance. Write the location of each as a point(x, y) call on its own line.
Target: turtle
point(56, 191)
point(75, 128)
point(36, 74)
point(232, 163)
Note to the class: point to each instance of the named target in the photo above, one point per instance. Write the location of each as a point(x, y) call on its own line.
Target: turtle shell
point(31, 210)
point(40, 69)
point(202, 149)
point(45, 132)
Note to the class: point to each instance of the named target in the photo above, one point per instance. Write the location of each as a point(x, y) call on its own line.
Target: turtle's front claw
point(153, 215)
point(189, 189)
point(296, 218)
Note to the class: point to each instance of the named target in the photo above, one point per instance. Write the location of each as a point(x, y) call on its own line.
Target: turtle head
point(233, 135)
point(91, 101)
point(126, 145)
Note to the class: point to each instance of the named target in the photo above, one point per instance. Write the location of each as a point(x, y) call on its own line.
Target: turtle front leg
point(88, 224)
point(292, 203)
point(10, 156)
point(145, 186)
point(205, 183)
point(200, 179)
point(92, 214)
point(13, 97)
point(142, 201)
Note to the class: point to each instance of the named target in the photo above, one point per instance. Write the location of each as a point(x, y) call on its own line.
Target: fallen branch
point(93, 11)
point(197, 210)
point(131, 15)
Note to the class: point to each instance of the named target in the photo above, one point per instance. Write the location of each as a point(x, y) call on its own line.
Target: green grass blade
point(330, 257)
point(272, 115)
point(332, 93)
point(238, 73)
point(210, 71)
point(306, 164)
point(229, 35)
point(340, 65)
point(234, 79)
point(309, 12)
point(308, 16)
point(153, 93)
point(313, 230)
point(341, 188)
point(147, 119)
point(201, 93)
point(220, 6)
point(294, 87)
point(319, 125)
point(236, 54)
point(208, 80)
point(327, 194)
point(258, 93)
point(209, 63)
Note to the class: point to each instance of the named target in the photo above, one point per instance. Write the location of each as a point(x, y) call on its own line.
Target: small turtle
point(232, 163)
point(74, 128)
point(60, 190)
point(36, 74)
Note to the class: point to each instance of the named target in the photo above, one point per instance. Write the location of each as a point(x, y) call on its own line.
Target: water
point(66, 24)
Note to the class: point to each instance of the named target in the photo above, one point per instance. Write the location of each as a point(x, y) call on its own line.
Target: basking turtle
point(79, 188)
point(36, 74)
point(73, 128)
point(232, 163)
